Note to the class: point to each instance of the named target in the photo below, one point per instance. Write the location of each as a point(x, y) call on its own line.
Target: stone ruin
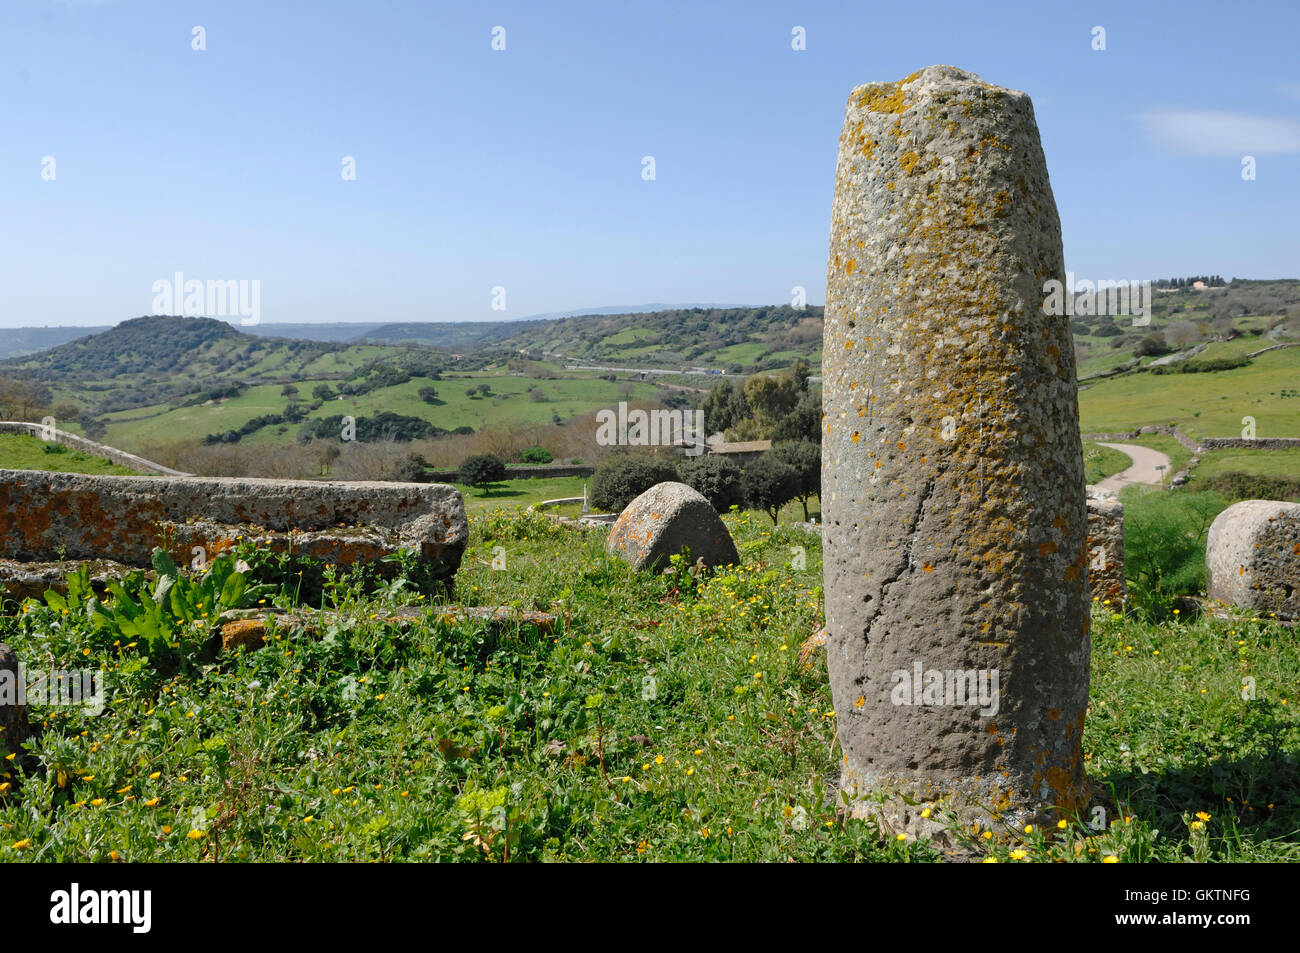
point(1106, 546)
point(1252, 557)
point(114, 523)
point(955, 528)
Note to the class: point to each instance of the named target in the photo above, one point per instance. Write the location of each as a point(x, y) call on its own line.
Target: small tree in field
point(625, 476)
point(769, 485)
point(481, 471)
point(806, 459)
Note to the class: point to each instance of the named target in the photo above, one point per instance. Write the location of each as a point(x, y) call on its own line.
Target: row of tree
point(790, 472)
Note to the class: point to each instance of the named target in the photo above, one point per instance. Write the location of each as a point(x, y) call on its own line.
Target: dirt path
point(1145, 460)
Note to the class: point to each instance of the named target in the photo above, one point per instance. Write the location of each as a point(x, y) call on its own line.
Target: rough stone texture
point(1252, 557)
point(955, 529)
point(21, 581)
point(1106, 545)
point(13, 717)
point(48, 516)
point(663, 519)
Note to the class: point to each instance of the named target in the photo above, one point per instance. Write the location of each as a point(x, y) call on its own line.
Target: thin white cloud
point(1219, 133)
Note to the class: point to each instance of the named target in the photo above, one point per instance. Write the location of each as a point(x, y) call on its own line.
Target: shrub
point(410, 469)
point(481, 470)
point(770, 484)
point(1153, 345)
point(805, 458)
point(715, 478)
point(429, 395)
point(624, 477)
point(1164, 546)
point(536, 455)
point(1249, 486)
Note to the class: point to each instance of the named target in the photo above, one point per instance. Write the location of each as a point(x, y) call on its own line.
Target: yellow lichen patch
point(881, 98)
point(855, 436)
point(850, 265)
point(908, 161)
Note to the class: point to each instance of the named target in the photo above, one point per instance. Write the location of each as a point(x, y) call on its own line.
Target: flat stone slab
point(1252, 557)
point(663, 519)
point(54, 516)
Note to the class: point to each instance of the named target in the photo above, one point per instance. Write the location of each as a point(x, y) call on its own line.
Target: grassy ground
point(513, 493)
point(566, 397)
point(1202, 405)
point(664, 720)
point(1273, 463)
point(29, 453)
point(1100, 462)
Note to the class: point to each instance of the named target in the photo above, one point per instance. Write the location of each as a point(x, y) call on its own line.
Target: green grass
point(28, 453)
point(137, 427)
point(1271, 463)
point(1201, 405)
point(663, 720)
point(1164, 545)
point(1100, 462)
point(511, 493)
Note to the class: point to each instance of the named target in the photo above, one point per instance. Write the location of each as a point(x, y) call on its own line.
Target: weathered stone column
point(952, 475)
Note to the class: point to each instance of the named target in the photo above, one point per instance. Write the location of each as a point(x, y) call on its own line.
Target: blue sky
point(522, 168)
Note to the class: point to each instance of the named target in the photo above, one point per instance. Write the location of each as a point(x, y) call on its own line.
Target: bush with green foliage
point(481, 471)
point(410, 469)
point(805, 458)
point(770, 484)
point(1236, 485)
point(1164, 546)
point(623, 477)
point(715, 478)
point(536, 455)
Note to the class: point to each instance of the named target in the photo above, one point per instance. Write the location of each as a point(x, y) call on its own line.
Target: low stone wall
point(55, 516)
point(1258, 443)
point(74, 442)
point(520, 473)
point(1187, 442)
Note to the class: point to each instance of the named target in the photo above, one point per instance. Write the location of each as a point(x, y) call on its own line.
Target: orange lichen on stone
point(246, 633)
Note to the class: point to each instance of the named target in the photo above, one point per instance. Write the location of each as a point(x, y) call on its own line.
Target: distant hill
point(15, 342)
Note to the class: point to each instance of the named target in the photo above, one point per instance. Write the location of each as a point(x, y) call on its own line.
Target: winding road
point(1145, 461)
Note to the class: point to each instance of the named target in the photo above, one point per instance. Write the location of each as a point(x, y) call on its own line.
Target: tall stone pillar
point(955, 536)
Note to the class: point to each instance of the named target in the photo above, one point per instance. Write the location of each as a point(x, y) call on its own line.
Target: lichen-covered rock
point(19, 580)
point(49, 516)
point(665, 518)
point(13, 714)
point(1106, 545)
point(954, 524)
point(1252, 557)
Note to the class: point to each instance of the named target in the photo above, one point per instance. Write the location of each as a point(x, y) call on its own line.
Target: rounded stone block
point(1252, 557)
point(663, 519)
point(955, 529)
